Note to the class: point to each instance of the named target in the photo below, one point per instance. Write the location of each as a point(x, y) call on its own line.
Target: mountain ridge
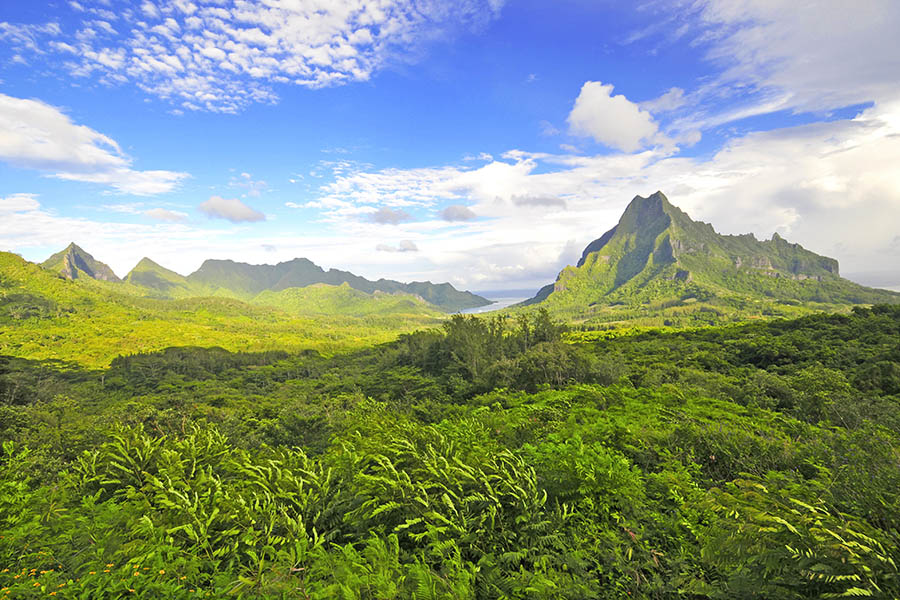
point(656, 252)
point(244, 281)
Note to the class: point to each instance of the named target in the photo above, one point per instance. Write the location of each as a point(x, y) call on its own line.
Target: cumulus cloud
point(230, 209)
point(611, 120)
point(35, 135)
point(222, 55)
point(167, 216)
point(403, 246)
point(458, 212)
point(389, 216)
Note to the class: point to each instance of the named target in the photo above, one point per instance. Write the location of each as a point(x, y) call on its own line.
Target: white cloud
point(832, 187)
point(253, 187)
point(539, 201)
point(18, 203)
point(825, 55)
point(770, 56)
point(230, 209)
point(672, 99)
point(611, 120)
point(36, 232)
point(222, 55)
point(167, 216)
point(35, 135)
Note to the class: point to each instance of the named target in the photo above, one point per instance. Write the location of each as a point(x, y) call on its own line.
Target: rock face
point(657, 252)
point(75, 263)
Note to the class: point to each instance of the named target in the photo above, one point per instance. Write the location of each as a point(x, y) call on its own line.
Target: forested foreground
point(492, 459)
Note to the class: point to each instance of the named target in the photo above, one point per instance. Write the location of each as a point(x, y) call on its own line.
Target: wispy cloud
point(769, 56)
point(403, 246)
point(222, 55)
point(230, 209)
point(167, 216)
point(35, 135)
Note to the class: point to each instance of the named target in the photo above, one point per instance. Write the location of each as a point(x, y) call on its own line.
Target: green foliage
point(768, 540)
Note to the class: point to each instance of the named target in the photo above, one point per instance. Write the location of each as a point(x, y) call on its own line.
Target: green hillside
point(160, 281)
point(323, 299)
point(245, 281)
point(91, 322)
point(656, 259)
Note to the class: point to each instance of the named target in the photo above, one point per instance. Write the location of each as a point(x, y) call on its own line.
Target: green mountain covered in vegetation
point(320, 298)
point(246, 281)
point(226, 278)
point(45, 316)
point(658, 258)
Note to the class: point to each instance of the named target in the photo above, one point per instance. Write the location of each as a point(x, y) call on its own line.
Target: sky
point(480, 142)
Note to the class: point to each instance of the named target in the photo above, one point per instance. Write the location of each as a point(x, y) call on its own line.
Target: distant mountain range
point(246, 282)
point(656, 259)
point(657, 255)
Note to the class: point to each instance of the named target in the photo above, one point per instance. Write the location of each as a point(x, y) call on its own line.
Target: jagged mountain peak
point(656, 252)
point(74, 262)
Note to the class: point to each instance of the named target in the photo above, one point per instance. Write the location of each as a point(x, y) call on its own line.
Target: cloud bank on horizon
point(265, 131)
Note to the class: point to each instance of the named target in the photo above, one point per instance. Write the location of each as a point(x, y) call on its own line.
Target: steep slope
point(75, 263)
point(165, 282)
point(657, 255)
point(247, 281)
point(324, 299)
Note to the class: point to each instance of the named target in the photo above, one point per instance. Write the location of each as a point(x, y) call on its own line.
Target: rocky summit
point(75, 263)
point(658, 254)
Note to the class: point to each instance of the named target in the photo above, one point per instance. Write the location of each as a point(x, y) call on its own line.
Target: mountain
point(247, 281)
point(658, 256)
point(168, 283)
point(227, 278)
point(324, 299)
point(90, 322)
point(75, 263)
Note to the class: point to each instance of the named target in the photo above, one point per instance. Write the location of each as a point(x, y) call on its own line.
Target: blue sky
point(483, 142)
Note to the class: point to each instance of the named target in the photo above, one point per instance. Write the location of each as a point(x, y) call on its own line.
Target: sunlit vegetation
point(486, 458)
point(91, 322)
